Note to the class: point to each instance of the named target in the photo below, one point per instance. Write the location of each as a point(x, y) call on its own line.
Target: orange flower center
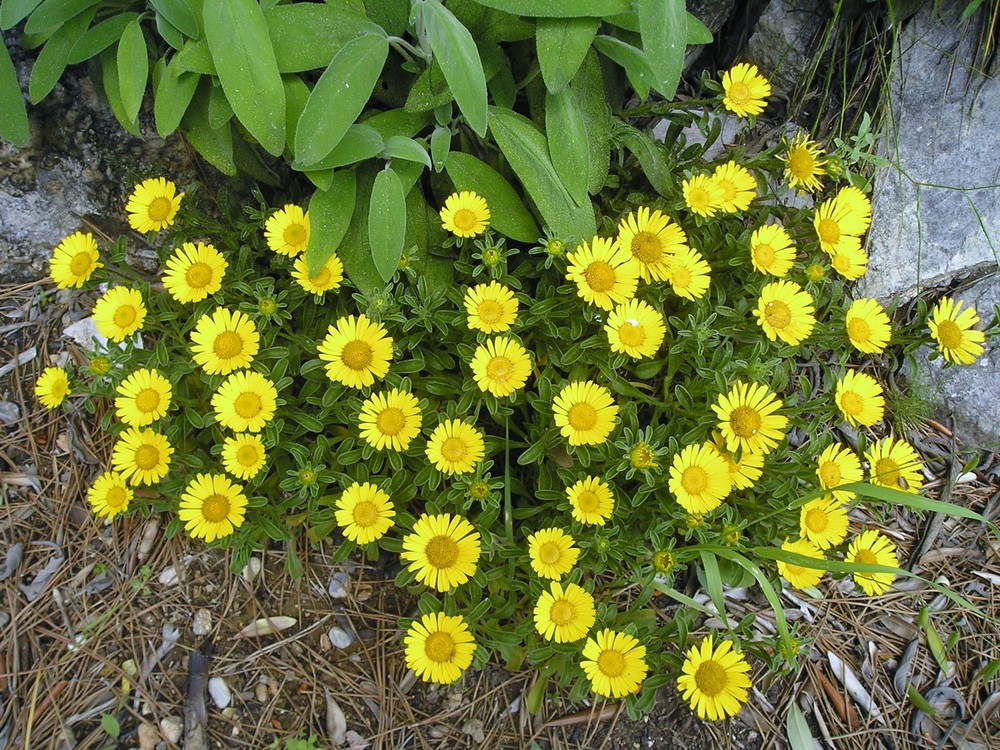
point(828, 231)
point(886, 471)
point(439, 647)
point(550, 553)
point(739, 93)
point(294, 235)
point(600, 276)
point(858, 330)
point(646, 247)
point(817, 520)
point(322, 278)
point(582, 417)
point(247, 455)
point(745, 421)
point(215, 508)
point(390, 421)
point(852, 403)
point(489, 311)
point(710, 678)
point(949, 334)
point(801, 163)
point(441, 552)
point(694, 480)
point(764, 255)
point(865, 557)
point(777, 314)
point(588, 501)
point(115, 497)
point(199, 275)
point(357, 355)
point(830, 474)
point(227, 345)
point(464, 219)
point(248, 405)
point(632, 334)
point(81, 263)
point(499, 369)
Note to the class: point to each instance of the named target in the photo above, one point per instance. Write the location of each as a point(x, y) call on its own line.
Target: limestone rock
point(782, 41)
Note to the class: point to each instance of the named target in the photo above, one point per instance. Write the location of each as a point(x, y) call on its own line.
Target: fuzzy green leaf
point(387, 222)
point(697, 32)
point(567, 138)
point(455, 51)
point(354, 250)
point(632, 59)
point(133, 68)
point(797, 728)
point(650, 155)
point(359, 143)
point(52, 14)
point(194, 57)
point(398, 122)
point(559, 8)
point(330, 213)
point(109, 72)
point(99, 37)
point(241, 49)
point(13, 114)
point(180, 16)
point(52, 61)
point(588, 85)
point(12, 12)
point(296, 96)
point(400, 147)
point(507, 212)
point(562, 44)
point(174, 92)
point(440, 147)
point(663, 27)
point(216, 145)
point(307, 36)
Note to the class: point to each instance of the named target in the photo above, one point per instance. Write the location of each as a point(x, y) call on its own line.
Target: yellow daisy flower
point(243, 455)
point(501, 366)
point(109, 495)
point(615, 663)
point(858, 205)
point(859, 398)
point(605, 274)
point(328, 279)
point(585, 412)
point(834, 221)
point(74, 261)
point(223, 341)
point(357, 351)
point(744, 90)
point(552, 552)
point(141, 456)
point(364, 513)
point(245, 402)
point(442, 551)
point(800, 576)
point(836, 466)
point(702, 195)
point(747, 418)
point(153, 205)
point(287, 230)
point(743, 473)
point(52, 387)
point(143, 397)
point(194, 272)
point(824, 521)
point(390, 421)
point(491, 308)
point(952, 329)
point(439, 647)
point(465, 214)
point(690, 275)
point(771, 250)
point(591, 500)
point(455, 447)
point(714, 680)
point(804, 164)
point(651, 238)
point(119, 313)
point(895, 464)
point(635, 328)
point(564, 615)
point(699, 479)
point(868, 327)
point(785, 311)
point(736, 185)
point(212, 507)
point(850, 260)
point(871, 548)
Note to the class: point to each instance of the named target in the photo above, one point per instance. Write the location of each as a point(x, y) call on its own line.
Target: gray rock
point(712, 13)
point(782, 40)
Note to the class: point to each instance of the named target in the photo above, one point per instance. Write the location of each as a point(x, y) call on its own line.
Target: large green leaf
point(174, 92)
point(99, 37)
point(133, 68)
point(562, 44)
point(401, 147)
point(507, 212)
point(296, 96)
point(330, 213)
point(307, 36)
point(697, 32)
point(13, 114)
point(588, 85)
point(195, 57)
point(455, 51)
point(354, 250)
point(651, 155)
point(559, 8)
point(109, 72)
point(632, 59)
point(567, 138)
point(523, 144)
point(797, 728)
point(663, 27)
point(12, 12)
point(387, 222)
point(180, 16)
point(398, 122)
point(216, 145)
point(391, 15)
point(52, 14)
point(54, 57)
point(339, 97)
point(359, 143)
point(241, 49)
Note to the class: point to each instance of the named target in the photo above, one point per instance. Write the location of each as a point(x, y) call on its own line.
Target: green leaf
point(180, 16)
point(339, 97)
point(133, 68)
point(195, 57)
point(562, 44)
point(663, 27)
point(13, 113)
point(507, 212)
point(456, 53)
point(99, 37)
point(53, 14)
point(168, 32)
point(12, 12)
point(359, 143)
point(650, 155)
point(559, 8)
point(400, 147)
point(567, 138)
point(398, 122)
point(912, 500)
point(110, 726)
point(697, 32)
point(173, 95)
point(307, 36)
point(440, 147)
point(52, 60)
point(216, 145)
point(391, 15)
point(387, 222)
point(799, 735)
point(219, 110)
point(429, 91)
point(296, 96)
point(588, 85)
point(632, 59)
point(713, 583)
point(354, 250)
point(109, 72)
point(330, 213)
point(241, 49)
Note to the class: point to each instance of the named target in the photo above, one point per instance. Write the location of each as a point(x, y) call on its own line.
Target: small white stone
point(355, 741)
point(148, 736)
point(172, 728)
point(202, 622)
point(169, 576)
point(222, 696)
point(339, 637)
point(229, 713)
point(338, 585)
point(251, 570)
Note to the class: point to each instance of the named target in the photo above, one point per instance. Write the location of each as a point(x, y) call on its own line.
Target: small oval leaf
point(440, 147)
point(455, 51)
point(387, 222)
point(560, 8)
point(133, 68)
point(400, 147)
point(174, 92)
point(567, 138)
point(12, 12)
point(663, 27)
point(330, 213)
point(99, 37)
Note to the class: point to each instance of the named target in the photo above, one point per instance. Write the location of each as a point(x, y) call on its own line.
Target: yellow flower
point(585, 412)
point(243, 455)
point(743, 473)
point(194, 272)
point(357, 351)
point(224, 341)
point(837, 466)
point(605, 274)
point(52, 387)
point(785, 311)
point(245, 402)
point(143, 397)
point(119, 313)
point(871, 548)
point(455, 447)
point(591, 500)
point(153, 205)
point(689, 274)
point(390, 421)
point(212, 507)
point(823, 522)
point(141, 456)
point(439, 647)
point(804, 164)
point(859, 398)
point(287, 230)
point(815, 272)
point(642, 456)
point(74, 260)
point(771, 250)
point(465, 214)
point(652, 239)
point(868, 327)
point(747, 418)
point(713, 680)
point(858, 206)
point(552, 552)
point(564, 615)
point(442, 551)
point(895, 464)
point(109, 495)
point(699, 479)
point(364, 513)
point(636, 329)
point(736, 185)
point(744, 90)
point(491, 308)
point(327, 280)
point(800, 576)
point(702, 195)
point(501, 366)
point(615, 663)
point(834, 222)
point(850, 260)
point(952, 329)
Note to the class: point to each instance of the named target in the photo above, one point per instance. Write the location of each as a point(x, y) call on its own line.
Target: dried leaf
point(267, 626)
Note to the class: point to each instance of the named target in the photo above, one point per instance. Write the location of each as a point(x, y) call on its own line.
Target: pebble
point(338, 585)
point(474, 728)
point(148, 736)
point(339, 637)
point(355, 741)
point(169, 576)
point(260, 692)
point(202, 623)
point(251, 570)
point(172, 728)
point(222, 696)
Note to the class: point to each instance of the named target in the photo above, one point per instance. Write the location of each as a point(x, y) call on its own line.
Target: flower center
point(549, 553)
point(829, 473)
point(865, 557)
point(453, 449)
point(499, 369)
point(439, 647)
point(817, 521)
point(562, 612)
point(115, 497)
point(841, 263)
point(441, 552)
point(642, 456)
point(600, 276)
point(588, 501)
point(800, 163)
point(764, 255)
point(464, 219)
point(215, 508)
point(80, 264)
point(698, 199)
point(632, 334)
point(390, 421)
point(125, 316)
point(148, 400)
point(744, 421)
point(365, 514)
point(248, 405)
point(778, 314)
point(646, 247)
point(859, 330)
point(711, 678)
point(887, 471)
point(322, 278)
point(489, 311)
point(611, 663)
point(147, 457)
point(852, 403)
point(159, 208)
point(681, 277)
point(582, 417)
point(828, 231)
point(728, 189)
point(247, 455)
point(295, 234)
point(227, 345)
point(950, 334)
point(198, 275)
point(739, 92)
point(357, 355)
point(694, 480)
